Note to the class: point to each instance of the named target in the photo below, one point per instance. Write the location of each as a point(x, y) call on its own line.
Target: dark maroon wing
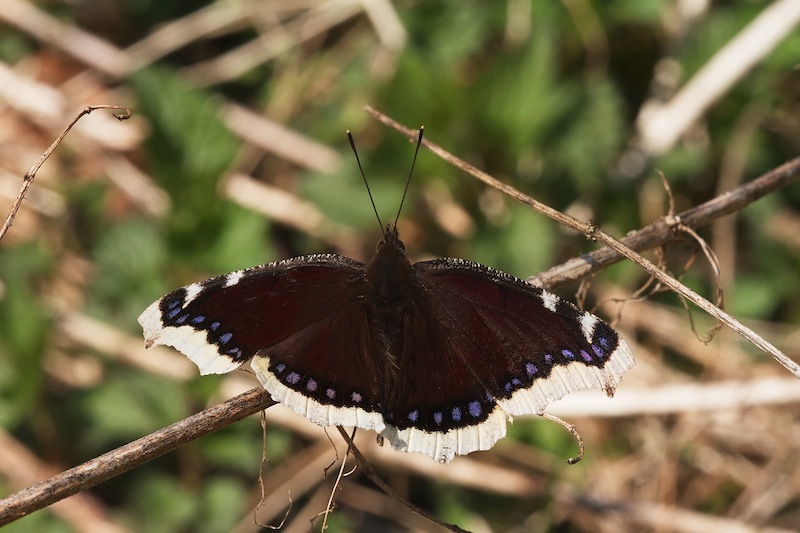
point(302, 322)
point(482, 345)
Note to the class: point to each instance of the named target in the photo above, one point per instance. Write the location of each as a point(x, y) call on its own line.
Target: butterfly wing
point(303, 324)
point(486, 345)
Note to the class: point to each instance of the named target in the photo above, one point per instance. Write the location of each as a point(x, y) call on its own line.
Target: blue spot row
point(512, 385)
point(474, 408)
point(310, 386)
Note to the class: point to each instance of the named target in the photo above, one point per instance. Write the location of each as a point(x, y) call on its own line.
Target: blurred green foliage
point(536, 112)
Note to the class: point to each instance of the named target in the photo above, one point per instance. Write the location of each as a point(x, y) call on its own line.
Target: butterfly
point(434, 356)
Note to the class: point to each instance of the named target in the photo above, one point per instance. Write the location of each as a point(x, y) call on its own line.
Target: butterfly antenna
point(408, 180)
point(366, 184)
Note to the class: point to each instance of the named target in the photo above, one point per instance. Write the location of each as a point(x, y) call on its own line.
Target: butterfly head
point(391, 240)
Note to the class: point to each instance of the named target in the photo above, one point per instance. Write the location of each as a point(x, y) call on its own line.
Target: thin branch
point(592, 232)
point(31, 174)
point(131, 455)
point(572, 429)
point(84, 512)
point(662, 230)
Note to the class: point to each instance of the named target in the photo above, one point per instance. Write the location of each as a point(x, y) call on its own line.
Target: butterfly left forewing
point(302, 322)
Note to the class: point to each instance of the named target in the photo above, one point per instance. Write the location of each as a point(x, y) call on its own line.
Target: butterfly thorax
point(391, 284)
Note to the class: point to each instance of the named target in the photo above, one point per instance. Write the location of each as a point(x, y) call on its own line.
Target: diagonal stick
point(594, 233)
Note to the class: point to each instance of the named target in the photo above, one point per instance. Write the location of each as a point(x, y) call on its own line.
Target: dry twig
point(131, 455)
point(31, 174)
point(660, 231)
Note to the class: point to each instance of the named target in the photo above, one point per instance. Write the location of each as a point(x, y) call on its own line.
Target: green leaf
point(24, 329)
point(191, 149)
point(593, 138)
point(159, 504)
point(222, 505)
point(128, 257)
point(130, 405)
point(523, 247)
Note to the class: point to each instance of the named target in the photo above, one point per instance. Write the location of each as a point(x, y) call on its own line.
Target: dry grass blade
point(82, 45)
point(682, 398)
point(661, 125)
point(238, 61)
point(280, 140)
point(665, 518)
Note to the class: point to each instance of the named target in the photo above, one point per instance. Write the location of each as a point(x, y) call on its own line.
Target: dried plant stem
point(381, 484)
point(698, 300)
point(592, 232)
point(31, 174)
point(663, 229)
point(131, 455)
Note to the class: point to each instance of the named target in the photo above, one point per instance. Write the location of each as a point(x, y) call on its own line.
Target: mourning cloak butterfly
point(434, 356)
